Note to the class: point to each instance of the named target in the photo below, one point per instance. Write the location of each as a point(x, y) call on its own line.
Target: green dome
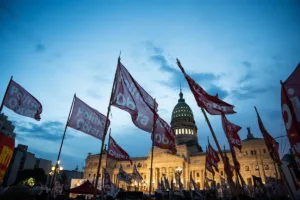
point(182, 109)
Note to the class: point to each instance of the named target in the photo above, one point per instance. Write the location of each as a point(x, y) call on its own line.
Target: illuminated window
point(179, 131)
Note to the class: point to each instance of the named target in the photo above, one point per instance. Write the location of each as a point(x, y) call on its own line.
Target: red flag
point(208, 164)
point(271, 143)
point(164, 136)
point(231, 131)
point(87, 120)
point(22, 102)
point(128, 95)
point(212, 104)
point(213, 157)
point(291, 110)
point(116, 152)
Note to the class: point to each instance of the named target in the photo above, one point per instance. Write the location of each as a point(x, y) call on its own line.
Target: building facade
point(254, 157)
point(22, 159)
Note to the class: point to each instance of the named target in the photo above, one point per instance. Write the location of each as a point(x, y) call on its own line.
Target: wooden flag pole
point(2, 103)
point(62, 142)
point(152, 149)
point(105, 130)
point(217, 143)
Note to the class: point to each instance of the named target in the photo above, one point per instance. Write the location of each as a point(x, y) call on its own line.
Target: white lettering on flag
point(22, 102)
point(87, 120)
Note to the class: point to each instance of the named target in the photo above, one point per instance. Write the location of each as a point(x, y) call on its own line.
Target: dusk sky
point(238, 49)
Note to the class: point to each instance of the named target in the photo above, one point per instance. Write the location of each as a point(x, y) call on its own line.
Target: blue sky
point(238, 49)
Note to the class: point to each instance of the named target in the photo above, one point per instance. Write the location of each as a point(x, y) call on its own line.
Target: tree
point(38, 174)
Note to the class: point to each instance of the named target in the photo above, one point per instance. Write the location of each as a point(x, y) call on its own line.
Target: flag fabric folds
point(107, 180)
point(87, 120)
point(128, 95)
point(22, 102)
point(116, 152)
point(136, 175)
point(231, 131)
point(123, 176)
point(212, 157)
point(212, 104)
point(271, 143)
point(208, 164)
point(290, 95)
point(164, 136)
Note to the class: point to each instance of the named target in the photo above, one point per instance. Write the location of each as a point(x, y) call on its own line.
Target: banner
point(87, 120)
point(212, 157)
point(128, 95)
point(271, 143)
point(136, 175)
point(7, 146)
point(208, 164)
point(107, 181)
point(22, 102)
point(116, 152)
point(164, 136)
point(123, 176)
point(231, 131)
point(212, 104)
point(290, 100)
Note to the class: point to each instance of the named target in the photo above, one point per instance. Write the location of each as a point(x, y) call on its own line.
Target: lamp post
point(58, 169)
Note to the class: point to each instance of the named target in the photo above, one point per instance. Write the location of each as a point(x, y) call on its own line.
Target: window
point(89, 175)
point(252, 153)
point(198, 175)
point(247, 168)
point(266, 167)
point(265, 151)
point(222, 173)
point(179, 130)
point(128, 165)
point(249, 181)
point(139, 165)
point(247, 153)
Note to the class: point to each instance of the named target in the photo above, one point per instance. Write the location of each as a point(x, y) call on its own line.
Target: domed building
point(184, 127)
point(190, 159)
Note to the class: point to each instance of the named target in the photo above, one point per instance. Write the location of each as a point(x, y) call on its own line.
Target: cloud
point(249, 92)
point(247, 64)
point(203, 79)
point(151, 47)
point(39, 48)
point(50, 130)
point(94, 94)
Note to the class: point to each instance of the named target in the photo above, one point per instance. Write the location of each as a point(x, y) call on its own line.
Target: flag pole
point(105, 129)
point(152, 149)
point(291, 106)
point(217, 143)
point(2, 103)
point(62, 142)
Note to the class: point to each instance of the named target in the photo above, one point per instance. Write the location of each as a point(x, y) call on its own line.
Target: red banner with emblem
point(208, 164)
point(128, 95)
point(212, 104)
point(290, 105)
point(22, 102)
point(164, 137)
point(87, 120)
point(271, 143)
point(213, 157)
point(231, 131)
point(7, 146)
point(116, 152)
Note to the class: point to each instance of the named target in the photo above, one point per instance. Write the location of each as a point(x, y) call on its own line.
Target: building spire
point(181, 99)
